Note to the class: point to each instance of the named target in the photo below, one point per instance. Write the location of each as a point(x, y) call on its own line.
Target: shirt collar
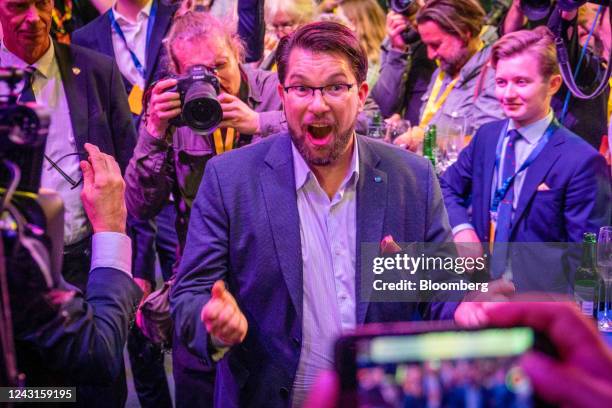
point(533, 132)
point(303, 173)
point(43, 65)
point(145, 12)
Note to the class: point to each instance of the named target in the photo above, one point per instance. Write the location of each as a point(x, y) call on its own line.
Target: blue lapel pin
point(377, 179)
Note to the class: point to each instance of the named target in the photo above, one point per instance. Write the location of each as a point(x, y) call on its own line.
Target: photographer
point(586, 117)
point(405, 70)
point(61, 337)
point(171, 159)
point(461, 86)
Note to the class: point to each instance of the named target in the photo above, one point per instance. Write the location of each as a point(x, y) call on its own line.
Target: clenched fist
point(223, 319)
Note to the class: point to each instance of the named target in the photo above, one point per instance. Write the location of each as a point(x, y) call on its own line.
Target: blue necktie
point(504, 212)
point(27, 93)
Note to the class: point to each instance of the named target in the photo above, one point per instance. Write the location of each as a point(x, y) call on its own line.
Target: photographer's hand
point(238, 115)
point(580, 377)
point(395, 26)
point(163, 106)
point(103, 192)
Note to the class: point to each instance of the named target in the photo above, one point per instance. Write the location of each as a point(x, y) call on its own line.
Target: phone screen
point(444, 369)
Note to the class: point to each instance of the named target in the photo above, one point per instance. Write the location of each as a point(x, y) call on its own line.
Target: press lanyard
point(434, 103)
point(221, 147)
point(150, 25)
point(500, 192)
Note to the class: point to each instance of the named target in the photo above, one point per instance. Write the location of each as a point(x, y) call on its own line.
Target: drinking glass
point(604, 266)
point(394, 128)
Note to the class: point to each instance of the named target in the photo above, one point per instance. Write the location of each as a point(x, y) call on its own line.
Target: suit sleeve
point(122, 125)
point(149, 177)
point(588, 198)
point(205, 261)
point(438, 231)
point(391, 84)
point(86, 337)
point(251, 27)
point(456, 184)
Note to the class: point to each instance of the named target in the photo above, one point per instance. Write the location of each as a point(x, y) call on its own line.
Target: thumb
point(88, 174)
point(502, 287)
point(560, 384)
point(218, 290)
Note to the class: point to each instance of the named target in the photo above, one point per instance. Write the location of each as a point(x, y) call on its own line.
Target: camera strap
point(220, 146)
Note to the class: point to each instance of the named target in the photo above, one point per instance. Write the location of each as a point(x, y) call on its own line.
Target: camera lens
point(201, 110)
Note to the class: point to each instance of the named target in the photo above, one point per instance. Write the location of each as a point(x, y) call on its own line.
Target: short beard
point(453, 67)
point(337, 148)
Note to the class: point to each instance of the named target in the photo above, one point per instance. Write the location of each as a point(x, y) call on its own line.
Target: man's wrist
point(112, 250)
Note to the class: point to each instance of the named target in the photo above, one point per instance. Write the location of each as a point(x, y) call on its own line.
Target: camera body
point(539, 9)
point(407, 8)
point(23, 133)
point(200, 109)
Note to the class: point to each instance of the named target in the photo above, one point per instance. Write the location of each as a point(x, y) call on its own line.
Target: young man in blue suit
point(270, 272)
point(529, 179)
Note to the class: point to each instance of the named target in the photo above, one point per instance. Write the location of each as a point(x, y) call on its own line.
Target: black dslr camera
point(408, 8)
point(201, 110)
point(23, 133)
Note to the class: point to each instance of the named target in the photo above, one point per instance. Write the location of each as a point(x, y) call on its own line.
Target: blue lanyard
point(150, 25)
point(501, 191)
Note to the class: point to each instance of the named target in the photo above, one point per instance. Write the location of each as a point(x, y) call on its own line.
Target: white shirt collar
point(144, 12)
point(303, 173)
point(43, 65)
point(534, 131)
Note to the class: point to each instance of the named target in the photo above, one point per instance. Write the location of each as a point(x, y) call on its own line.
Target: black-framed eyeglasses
point(55, 165)
point(331, 91)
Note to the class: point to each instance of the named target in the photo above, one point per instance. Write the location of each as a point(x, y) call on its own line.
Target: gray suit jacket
point(244, 228)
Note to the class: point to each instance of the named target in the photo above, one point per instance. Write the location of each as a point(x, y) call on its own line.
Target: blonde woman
point(368, 21)
point(282, 18)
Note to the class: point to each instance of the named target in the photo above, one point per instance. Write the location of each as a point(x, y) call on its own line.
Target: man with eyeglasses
point(87, 103)
point(269, 275)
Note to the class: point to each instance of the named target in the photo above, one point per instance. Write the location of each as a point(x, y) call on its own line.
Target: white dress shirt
point(49, 92)
point(328, 242)
point(136, 37)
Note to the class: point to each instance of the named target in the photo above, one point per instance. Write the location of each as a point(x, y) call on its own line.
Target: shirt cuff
point(219, 348)
point(457, 229)
point(112, 250)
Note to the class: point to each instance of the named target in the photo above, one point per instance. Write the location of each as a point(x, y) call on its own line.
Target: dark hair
point(539, 43)
point(326, 37)
point(456, 17)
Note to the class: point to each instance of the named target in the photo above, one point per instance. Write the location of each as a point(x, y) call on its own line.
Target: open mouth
point(319, 132)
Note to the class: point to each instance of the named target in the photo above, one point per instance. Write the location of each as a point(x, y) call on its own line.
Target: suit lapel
point(536, 173)
point(278, 185)
point(162, 22)
point(105, 36)
point(371, 206)
point(74, 80)
point(491, 141)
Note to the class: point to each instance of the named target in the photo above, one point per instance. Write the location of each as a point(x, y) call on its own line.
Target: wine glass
point(604, 266)
point(396, 127)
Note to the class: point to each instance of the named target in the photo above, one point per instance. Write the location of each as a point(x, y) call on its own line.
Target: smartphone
point(436, 364)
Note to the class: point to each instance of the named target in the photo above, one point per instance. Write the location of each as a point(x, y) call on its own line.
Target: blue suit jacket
point(578, 201)
point(98, 105)
point(97, 36)
point(82, 343)
point(244, 228)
